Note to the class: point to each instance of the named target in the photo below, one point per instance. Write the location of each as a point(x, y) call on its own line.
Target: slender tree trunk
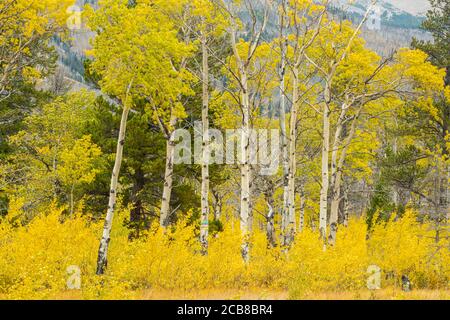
point(285, 154)
point(245, 152)
point(395, 189)
point(243, 65)
point(437, 198)
point(284, 134)
point(270, 231)
point(102, 260)
point(334, 209)
point(323, 215)
point(217, 204)
point(137, 217)
point(168, 183)
point(446, 130)
point(346, 209)
point(204, 223)
point(301, 219)
point(325, 173)
point(337, 177)
point(292, 157)
point(245, 168)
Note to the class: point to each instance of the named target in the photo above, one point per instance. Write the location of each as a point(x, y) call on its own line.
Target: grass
point(265, 294)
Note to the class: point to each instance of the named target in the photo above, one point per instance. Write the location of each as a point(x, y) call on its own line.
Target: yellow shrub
point(340, 268)
point(34, 259)
point(406, 247)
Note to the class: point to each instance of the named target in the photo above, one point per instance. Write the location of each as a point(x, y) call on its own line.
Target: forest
point(235, 149)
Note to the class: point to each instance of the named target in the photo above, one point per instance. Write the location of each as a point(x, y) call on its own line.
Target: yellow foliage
point(406, 247)
point(34, 259)
point(338, 268)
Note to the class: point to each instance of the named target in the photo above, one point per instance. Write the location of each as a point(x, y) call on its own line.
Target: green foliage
point(52, 154)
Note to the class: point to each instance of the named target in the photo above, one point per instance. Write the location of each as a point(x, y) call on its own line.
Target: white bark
point(302, 211)
point(243, 78)
point(336, 175)
point(245, 168)
point(168, 183)
point(165, 214)
point(329, 76)
point(270, 229)
point(284, 135)
point(217, 203)
point(292, 157)
point(102, 260)
point(325, 165)
point(204, 223)
point(285, 155)
point(346, 208)
point(338, 167)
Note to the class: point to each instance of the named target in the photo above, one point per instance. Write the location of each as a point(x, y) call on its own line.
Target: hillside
point(388, 27)
point(397, 29)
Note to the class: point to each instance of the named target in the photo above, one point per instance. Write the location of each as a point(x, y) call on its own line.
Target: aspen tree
point(283, 47)
point(306, 28)
point(363, 80)
point(243, 62)
point(167, 106)
point(328, 72)
point(134, 52)
point(210, 24)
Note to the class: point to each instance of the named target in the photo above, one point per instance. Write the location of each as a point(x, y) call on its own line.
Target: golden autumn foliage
point(363, 135)
point(34, 259)
point(26, 29)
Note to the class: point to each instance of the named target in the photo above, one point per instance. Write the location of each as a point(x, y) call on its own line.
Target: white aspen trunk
point(204, 223)
point(284, 150)
point(346, 208)
point(217, 204)
point(270, 228)
point(284, 134)
point(245, 152)
point(102, 260)
point(301, 219)
point(335, 184)
point(245, 168)
point(243, 65)
point(337, 179)
point(164, 218)
point(325, 169)
point(292, 156)
point(168, 183)
point(395, 196)
point(323, 215)
point(437, 208)
point(334, 209)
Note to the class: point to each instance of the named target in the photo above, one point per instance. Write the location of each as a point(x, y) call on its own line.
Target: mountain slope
point(387, 29)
